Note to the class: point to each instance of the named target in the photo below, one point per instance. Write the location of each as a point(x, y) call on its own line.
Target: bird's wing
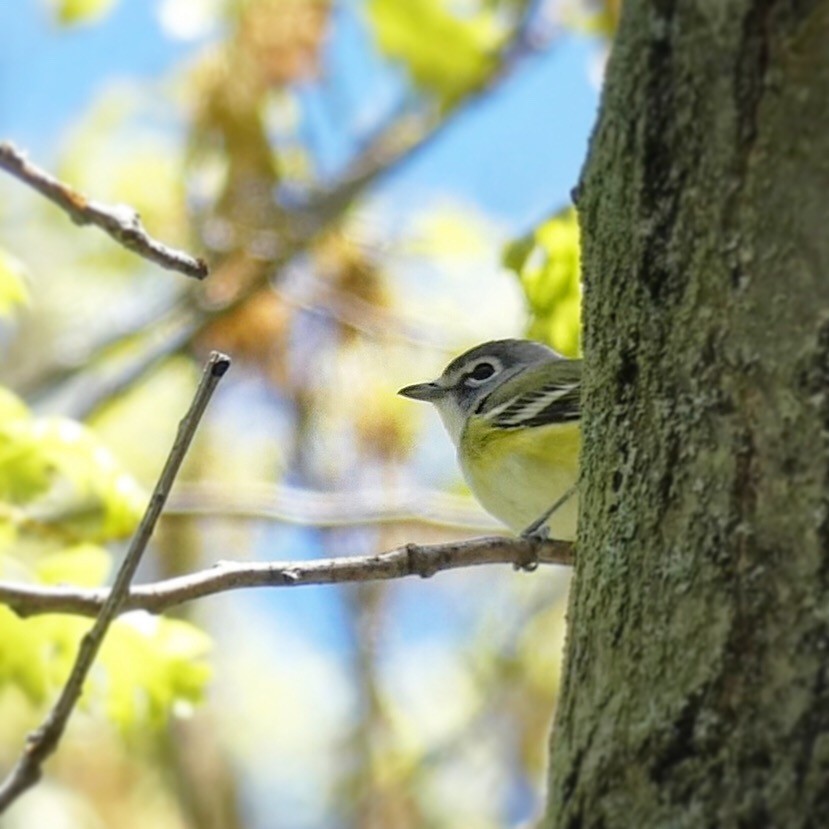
point(549, 392)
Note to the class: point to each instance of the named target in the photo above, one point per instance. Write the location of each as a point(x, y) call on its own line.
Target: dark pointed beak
point(423, 391)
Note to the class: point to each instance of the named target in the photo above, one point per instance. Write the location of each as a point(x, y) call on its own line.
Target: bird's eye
point(483, 371)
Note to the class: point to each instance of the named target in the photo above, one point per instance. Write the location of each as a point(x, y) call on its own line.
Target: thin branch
point(121, 222)
point(408, 560)
point(41, 743)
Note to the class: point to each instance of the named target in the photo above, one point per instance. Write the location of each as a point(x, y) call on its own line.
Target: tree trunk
point(696, 689)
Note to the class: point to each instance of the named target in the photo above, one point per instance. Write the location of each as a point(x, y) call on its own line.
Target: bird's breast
point(517, 474)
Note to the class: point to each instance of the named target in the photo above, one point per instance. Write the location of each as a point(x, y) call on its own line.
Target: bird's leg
point(537, 531)
point(537, 528)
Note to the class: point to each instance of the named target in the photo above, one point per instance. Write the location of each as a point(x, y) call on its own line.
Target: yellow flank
point(517, 474)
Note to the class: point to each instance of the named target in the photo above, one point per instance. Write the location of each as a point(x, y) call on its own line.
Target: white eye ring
point(493, 365)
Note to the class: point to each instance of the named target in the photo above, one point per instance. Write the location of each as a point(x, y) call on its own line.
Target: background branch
point(291, 504)
point(121, 222)
point(43, 742)
point(408, 560)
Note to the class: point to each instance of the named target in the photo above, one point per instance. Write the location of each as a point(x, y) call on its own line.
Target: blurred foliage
point(61, 495)
point(71, 12)
point(58, 482)
point(13, 291)
point(147, 667)
point(407, 705)
point(445, 53)
point(595, 17)
point(547, 263)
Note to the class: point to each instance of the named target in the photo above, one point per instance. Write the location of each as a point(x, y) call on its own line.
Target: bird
point(512, 408)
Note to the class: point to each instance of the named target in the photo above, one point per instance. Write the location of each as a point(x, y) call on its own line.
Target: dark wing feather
point(550, 404)
point(544, 393)
point(560, 408)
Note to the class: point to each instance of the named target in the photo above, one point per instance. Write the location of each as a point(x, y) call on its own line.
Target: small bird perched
point(512, 410)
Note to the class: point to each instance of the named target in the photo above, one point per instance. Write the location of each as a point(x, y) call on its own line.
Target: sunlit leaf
point(547, 263)
point(24, 472)
point(445, 54)
point(148, 668)
point(516, 253)
point(11, 407)
point(58, 475)
point(89, 495)
point(21, 663)
point(450, 231)
point(153, 666)
point(84, 565)
point(596, 18)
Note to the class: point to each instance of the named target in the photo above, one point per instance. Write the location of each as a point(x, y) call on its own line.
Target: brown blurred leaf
point(283, 38)
point(253, 332)
point(351, 274)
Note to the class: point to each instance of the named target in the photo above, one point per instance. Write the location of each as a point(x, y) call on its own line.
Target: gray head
point(468, 379)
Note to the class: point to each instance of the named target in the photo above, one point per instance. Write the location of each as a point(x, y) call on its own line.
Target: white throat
point(452, 416)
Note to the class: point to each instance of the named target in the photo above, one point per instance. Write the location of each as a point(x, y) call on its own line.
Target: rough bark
point(696, 689)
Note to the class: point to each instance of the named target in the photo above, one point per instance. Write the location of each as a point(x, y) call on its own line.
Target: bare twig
point(44, 741)
point(408, 560)
point(121, 222)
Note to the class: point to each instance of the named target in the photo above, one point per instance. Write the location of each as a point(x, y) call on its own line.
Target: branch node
point(526, 559)
point(420, 562)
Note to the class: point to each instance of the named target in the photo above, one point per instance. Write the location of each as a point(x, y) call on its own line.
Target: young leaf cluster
point(547, 264)
point(63, 496)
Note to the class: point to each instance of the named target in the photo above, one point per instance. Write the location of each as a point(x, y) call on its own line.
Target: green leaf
point(153, 666)
point(24, 472)
point(517, 252)
point(548, 265)
point(11, 407)
point(148, 669)
point(445, 54)
point(58, 476)
point(71, 12)
point(84, 565)
point(599, 18)
point(21, 656)
point(12, 284)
